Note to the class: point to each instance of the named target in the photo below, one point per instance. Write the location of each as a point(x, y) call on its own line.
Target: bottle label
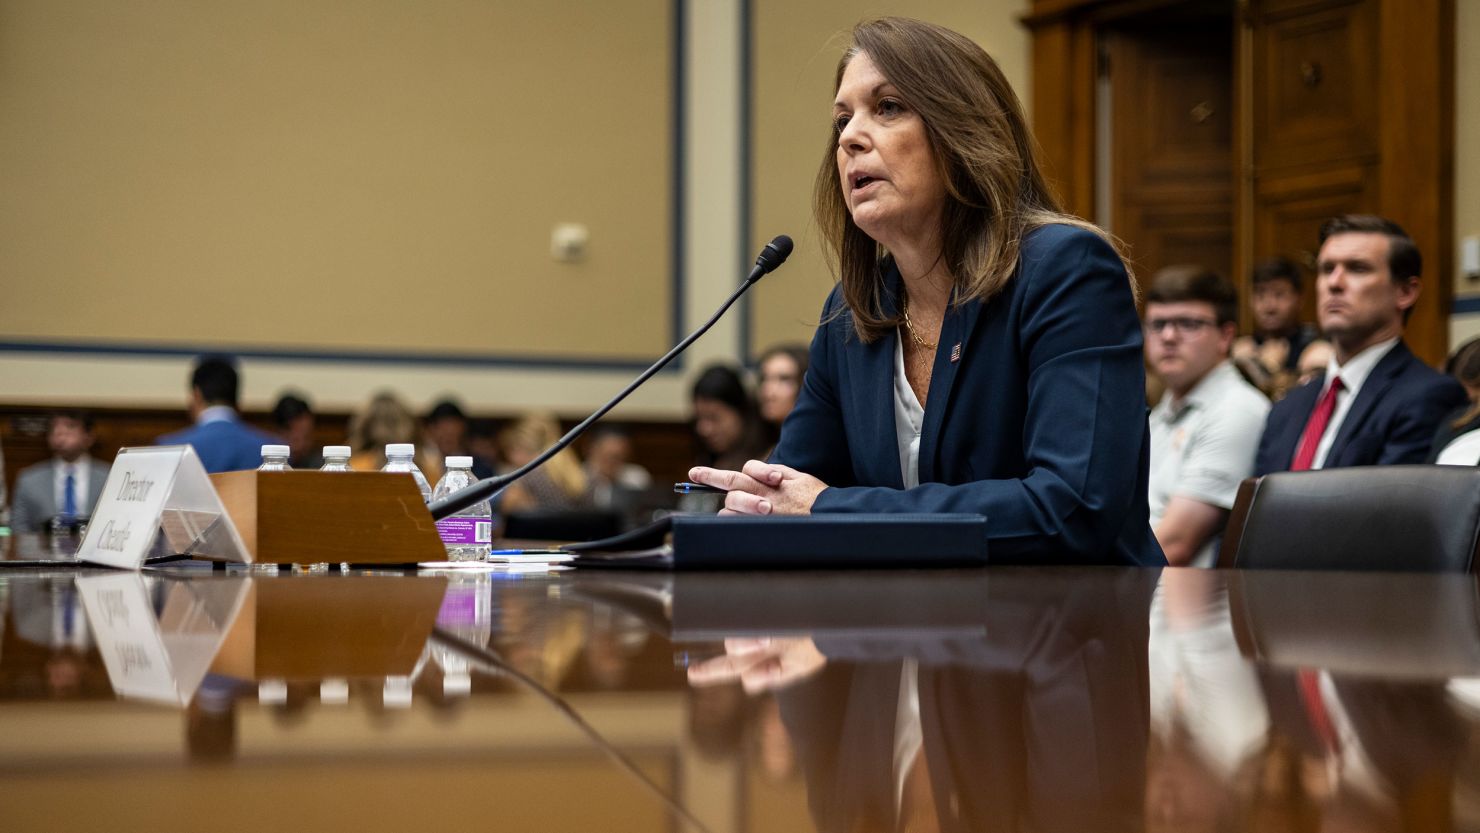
point(465, 531)
point(459, 607)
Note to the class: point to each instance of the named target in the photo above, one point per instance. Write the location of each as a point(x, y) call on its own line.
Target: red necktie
point(1309, 683)
point(1315, 428)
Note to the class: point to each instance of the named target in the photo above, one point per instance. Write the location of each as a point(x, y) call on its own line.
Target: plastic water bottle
point(275, 458)
point(468, 533)
point(400, 457)
point(336, 458)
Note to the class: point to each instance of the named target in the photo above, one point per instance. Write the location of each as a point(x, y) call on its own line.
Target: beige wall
point(170, 168)
point(218, 174)
point(378, 175)
point(1466, 155)
point(797, 46)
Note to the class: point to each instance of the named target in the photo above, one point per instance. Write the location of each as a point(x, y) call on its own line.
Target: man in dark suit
point(220, 438)
point(1376, 403)
point(67, 485)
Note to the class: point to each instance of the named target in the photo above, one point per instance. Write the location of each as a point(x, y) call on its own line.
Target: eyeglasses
point(1181, 326)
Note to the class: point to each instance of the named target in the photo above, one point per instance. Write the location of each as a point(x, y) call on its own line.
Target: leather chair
point(1394, 518)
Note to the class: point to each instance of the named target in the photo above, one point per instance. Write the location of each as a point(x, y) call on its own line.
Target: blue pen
point(687, 488)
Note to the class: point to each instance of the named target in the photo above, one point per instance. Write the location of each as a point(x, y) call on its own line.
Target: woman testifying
point(982, 351)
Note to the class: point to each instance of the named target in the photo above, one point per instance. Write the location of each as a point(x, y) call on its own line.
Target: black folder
point(714, 542)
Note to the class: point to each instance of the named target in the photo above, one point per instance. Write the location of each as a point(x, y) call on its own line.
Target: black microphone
point(773, 255)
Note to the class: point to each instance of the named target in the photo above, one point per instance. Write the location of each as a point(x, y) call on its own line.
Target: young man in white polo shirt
point(1205, 431)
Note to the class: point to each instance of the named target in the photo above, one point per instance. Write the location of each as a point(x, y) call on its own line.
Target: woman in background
point(1464, 366)
point(781, 370)
point(385, 419)
point(558, 484)
point(726, 423)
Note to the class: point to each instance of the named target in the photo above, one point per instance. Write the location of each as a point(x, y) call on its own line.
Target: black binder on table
point(713, 542)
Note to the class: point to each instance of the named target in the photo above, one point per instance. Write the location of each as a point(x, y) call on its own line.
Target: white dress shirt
point(216, 413)
point(1353, 374)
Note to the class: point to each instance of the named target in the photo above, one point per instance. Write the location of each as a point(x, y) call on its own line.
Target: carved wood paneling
point(1339, 105)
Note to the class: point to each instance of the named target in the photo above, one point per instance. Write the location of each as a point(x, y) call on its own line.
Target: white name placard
point(162, 490)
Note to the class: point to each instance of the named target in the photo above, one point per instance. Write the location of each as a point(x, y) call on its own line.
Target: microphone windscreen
point(774, 254)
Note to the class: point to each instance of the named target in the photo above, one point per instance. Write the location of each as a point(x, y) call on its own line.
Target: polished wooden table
point(1015, 699)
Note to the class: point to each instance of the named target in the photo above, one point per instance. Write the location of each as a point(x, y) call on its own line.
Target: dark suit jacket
point(35, 501)
point(1392, 420)
point(1040, 425)
point(223, 445)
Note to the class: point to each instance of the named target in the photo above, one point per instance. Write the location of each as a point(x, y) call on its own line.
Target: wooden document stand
point(316, 517)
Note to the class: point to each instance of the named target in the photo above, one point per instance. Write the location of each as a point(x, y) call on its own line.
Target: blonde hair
point(385, 419)
point(534, 433)
point(995, 192)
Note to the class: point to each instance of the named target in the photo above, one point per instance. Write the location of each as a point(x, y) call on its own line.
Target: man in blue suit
point(220, 438)
point(1376, 403)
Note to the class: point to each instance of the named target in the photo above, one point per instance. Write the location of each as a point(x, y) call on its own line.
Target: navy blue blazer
point(1392, 420)
point(1040, 425)
point(223, 445)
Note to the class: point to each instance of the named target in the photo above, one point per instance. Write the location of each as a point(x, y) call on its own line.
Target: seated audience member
point(295, 421)
point(726, 423)
point(615, 481)
point(483, 442)
point(446, 429)
point(4, 503)
point(66, 486)
point(558, 484)
point(1376, 403)
point(385, 420)
point(1206, 428)
point(781, 370)
point(1464, 366)
point(1270, 357)
point(1313, 360)
point(220, 438)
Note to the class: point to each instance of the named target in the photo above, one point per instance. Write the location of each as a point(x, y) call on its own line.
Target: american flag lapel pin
point(956, 353)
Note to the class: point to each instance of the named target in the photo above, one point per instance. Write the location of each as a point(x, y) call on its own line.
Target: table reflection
point(1002, 699)
point(1038, 722)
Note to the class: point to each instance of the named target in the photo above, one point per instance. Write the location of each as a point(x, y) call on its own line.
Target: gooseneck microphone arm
point(772, 256)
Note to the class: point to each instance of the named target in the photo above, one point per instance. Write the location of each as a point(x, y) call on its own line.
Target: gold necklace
point(904, 306)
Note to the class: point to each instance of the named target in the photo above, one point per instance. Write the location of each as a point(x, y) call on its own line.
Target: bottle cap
point(274, 451)
point(459, 462)
point(408, 449)
point(336, 451)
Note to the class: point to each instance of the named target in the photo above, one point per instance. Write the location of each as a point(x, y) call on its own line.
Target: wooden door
point(1314, 153)
point(1171, 136)
point(1352, 112)
point(1341, 106)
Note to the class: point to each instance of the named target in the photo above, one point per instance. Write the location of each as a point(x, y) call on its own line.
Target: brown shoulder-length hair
point(1464, 366)
point(995, 192)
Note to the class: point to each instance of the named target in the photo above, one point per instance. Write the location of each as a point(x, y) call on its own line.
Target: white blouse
point(909, 417)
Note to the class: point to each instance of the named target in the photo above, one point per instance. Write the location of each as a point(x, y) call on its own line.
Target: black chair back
point(1422, 519)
